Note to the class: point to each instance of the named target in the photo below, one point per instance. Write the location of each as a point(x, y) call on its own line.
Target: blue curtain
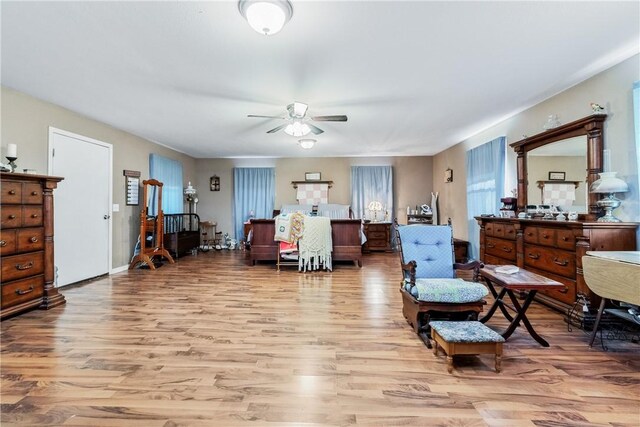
point(254, 191)
point(169, 173)
point(370, 184)
point(485, 182)
point(636, 120)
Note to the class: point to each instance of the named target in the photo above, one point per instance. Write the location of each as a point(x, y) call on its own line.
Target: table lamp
point(609, 184)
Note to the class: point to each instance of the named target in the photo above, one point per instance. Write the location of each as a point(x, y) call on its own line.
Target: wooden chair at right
point(430, 289)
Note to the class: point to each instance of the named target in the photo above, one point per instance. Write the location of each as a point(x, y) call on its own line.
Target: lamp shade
point(307, 143)
point(190, 191)
point(266, 16)
point(609, 183)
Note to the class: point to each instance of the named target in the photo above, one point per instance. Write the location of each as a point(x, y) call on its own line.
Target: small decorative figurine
point(597, 108)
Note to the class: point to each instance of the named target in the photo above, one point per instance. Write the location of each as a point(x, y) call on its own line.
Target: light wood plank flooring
point(210, 342)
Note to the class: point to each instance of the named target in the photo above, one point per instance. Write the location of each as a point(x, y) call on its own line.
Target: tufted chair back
point(431, 247)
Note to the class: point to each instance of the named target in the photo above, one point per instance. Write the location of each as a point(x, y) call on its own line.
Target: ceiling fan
point(299, 121)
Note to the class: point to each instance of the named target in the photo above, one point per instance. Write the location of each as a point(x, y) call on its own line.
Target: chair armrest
point(470, 265)
point(410, 270)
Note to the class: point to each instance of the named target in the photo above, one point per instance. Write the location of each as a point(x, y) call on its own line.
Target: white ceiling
point(413, 77)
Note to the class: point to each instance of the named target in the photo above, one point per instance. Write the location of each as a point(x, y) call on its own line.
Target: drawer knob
point(561, 263)
point(506, 249)
point(491, 245)
point(34, 215)
point(24, 266)
point(565, 238)
point(533, 256)
point(33, 239)
point(20, 292)
point(529, 234)
point(3, 243)
point(12, 217)
point(34, 193)
point(12, 192)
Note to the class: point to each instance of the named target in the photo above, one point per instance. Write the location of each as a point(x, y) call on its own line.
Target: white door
point(82, 213)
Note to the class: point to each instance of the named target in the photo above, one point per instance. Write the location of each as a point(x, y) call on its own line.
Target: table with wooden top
point(523, 280)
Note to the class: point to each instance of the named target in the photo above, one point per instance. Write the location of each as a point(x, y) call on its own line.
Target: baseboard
point(119, 269)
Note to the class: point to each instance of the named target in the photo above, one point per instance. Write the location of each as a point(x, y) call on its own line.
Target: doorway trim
point(109, 147)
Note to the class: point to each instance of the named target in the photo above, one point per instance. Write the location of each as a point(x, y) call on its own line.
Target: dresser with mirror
point(555, 169)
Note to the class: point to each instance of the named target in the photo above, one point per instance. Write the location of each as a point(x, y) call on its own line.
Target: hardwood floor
point(210, 342)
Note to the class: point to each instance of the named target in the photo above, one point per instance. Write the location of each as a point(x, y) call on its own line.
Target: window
point(372, 184)
point(169, 173)
point(485, 177)
point(254, 192)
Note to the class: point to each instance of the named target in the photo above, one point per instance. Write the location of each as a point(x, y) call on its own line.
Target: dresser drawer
point(489, 229)
point(19, 266)
point(568, 295)
point(31, 194)
point(11, 216)
point(32, 216)
point(530, 235)
point(19, 291)
point(7, 242)
point(371, 235)
point(547, 236)
point(377, 227)
point(30, 239)
point(501, 248)
point(553, 260)
point(490, 259)
point(11, 192)
point(566, 240)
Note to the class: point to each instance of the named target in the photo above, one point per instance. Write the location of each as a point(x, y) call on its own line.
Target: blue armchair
point(430, 289)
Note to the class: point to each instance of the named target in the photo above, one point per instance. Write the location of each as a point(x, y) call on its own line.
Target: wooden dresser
point(378, 237)
point(553, 249)
point(26, 243)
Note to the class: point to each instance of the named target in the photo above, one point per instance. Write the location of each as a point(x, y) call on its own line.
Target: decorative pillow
point(454, 291)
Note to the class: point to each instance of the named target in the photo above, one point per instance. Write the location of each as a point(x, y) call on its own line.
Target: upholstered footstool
point(465, 338)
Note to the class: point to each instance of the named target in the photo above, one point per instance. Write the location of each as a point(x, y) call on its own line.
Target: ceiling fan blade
point(314, 129)
point(339, 118)
point(266, 117)
point(276, 129)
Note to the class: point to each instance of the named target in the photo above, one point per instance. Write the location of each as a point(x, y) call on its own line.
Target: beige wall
point(26, 121)
point(412, 181)
point(611, 88)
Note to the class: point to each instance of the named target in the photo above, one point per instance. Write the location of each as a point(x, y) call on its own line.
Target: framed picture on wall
point(557, 176)
point(312, 176)
point(214, 183)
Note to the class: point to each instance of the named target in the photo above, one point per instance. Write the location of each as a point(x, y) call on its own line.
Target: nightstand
point(378, 237)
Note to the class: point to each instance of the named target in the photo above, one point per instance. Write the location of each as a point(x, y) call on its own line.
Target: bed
point(345, 235)
point(181, 233)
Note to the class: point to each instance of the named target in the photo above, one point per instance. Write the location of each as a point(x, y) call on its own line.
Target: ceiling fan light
point(266, 16)
point(307, 143)
point(297, 129)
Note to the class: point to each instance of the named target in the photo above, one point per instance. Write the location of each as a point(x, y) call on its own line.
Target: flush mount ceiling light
point(266, 16)
point(297, 129)
point(307, 143)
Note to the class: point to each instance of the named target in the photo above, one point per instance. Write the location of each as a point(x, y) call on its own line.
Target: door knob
point(107, 216)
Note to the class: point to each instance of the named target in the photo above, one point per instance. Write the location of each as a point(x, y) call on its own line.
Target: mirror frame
point(590, 126)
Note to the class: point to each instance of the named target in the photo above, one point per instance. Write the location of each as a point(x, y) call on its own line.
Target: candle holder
point(12, 163)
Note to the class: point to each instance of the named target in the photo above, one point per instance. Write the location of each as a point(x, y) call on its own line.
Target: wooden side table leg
point(449, 364)
point(435, 348)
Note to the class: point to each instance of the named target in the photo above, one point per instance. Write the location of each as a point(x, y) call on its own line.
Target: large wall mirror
point(558, 166)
